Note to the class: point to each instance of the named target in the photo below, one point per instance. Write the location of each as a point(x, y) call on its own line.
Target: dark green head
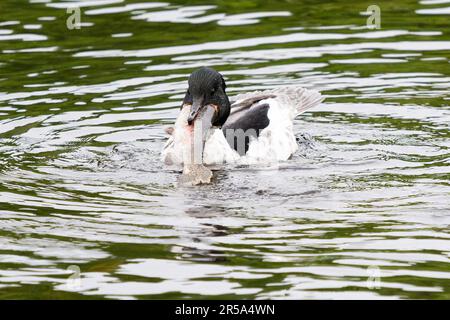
point(207, 87)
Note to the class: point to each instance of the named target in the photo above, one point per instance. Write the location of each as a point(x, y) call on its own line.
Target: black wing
point(244, 122)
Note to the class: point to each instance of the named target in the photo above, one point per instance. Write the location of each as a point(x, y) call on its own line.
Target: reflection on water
point(82, 114)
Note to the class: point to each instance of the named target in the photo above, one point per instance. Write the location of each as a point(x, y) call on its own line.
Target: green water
point(361, 211)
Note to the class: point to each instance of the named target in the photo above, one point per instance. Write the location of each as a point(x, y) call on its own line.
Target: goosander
point(256, 128)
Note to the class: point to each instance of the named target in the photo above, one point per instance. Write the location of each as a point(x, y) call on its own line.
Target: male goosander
point(256, 128)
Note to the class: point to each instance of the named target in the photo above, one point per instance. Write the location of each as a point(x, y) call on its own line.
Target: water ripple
point(82, 117)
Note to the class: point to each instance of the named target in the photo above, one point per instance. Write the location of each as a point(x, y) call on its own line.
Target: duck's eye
point(213, 90)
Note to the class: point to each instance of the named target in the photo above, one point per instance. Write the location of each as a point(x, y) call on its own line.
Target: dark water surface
point(361, 211)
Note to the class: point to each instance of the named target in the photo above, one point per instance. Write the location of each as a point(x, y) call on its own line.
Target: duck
point(251, 128)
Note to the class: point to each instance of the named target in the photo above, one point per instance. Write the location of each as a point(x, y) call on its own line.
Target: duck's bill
point(194, 111)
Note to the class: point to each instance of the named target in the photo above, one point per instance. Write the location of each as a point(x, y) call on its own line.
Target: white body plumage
point(276, 142)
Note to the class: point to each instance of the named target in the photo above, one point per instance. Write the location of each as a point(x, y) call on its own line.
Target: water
point(88, 210)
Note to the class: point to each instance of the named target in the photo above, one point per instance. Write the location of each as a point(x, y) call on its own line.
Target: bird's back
point(266, 118)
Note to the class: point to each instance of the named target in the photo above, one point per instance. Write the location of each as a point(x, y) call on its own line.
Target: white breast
point(217, 150)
